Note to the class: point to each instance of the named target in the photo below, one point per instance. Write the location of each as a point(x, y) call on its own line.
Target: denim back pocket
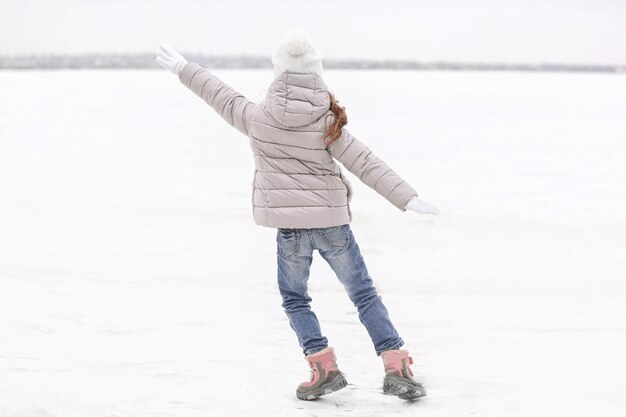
point(288, 241)
point(336, 236)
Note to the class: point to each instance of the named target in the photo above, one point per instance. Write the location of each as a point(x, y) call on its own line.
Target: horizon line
point(131, 60)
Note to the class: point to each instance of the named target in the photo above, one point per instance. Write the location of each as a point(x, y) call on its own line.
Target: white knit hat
point(296, 53)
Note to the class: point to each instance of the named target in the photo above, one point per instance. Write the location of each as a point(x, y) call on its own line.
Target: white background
point(134, 282)
point(528, 31)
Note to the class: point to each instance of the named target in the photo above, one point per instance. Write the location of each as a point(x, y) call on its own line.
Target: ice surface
point(134, 282)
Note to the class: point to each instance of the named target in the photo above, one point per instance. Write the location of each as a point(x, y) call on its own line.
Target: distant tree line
point(108, 61)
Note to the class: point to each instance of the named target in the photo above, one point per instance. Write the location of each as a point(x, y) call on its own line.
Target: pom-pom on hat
point(296, 53)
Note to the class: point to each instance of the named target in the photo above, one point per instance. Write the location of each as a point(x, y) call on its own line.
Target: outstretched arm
point(232, 106)
point(375, 173)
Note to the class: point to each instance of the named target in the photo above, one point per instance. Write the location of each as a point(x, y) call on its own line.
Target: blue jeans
point(338, 247)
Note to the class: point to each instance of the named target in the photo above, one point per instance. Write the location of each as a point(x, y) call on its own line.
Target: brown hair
point(333, 132)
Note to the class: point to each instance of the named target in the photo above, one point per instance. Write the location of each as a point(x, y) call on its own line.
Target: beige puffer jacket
point(297, 183)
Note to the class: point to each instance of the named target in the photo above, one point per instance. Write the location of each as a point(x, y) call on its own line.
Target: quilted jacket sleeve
point(370, 169)
point(228, 103)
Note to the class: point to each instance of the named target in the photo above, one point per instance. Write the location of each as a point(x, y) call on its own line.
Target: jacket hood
point(297, 99)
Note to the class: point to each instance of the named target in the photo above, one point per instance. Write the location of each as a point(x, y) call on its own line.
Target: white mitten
point(169, 59)
point(420, 206)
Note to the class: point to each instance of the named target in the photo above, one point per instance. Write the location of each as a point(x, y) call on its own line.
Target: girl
point(296, 133)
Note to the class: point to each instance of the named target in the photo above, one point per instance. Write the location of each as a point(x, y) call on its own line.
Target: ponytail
point(333, 132)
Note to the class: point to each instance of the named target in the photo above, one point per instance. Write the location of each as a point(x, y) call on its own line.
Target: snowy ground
point(134, 282)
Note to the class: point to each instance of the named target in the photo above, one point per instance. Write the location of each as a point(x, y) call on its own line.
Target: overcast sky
point(565, 31)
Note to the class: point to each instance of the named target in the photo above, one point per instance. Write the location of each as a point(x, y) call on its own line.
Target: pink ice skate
point(325, 376)
point(399, 377)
